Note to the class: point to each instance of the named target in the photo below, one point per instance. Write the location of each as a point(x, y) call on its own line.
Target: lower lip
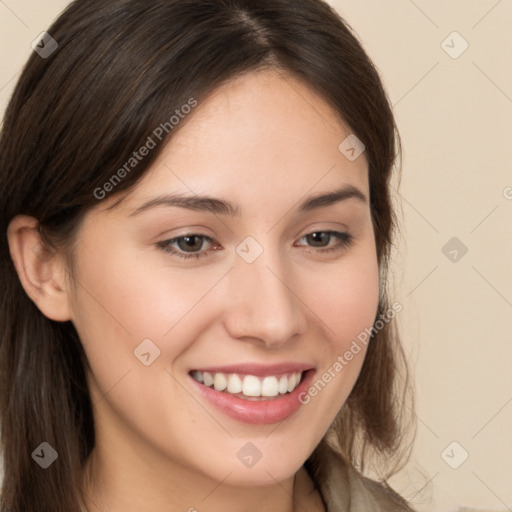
point(257, 412)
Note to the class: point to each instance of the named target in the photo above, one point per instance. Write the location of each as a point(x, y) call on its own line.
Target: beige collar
point(343, 489)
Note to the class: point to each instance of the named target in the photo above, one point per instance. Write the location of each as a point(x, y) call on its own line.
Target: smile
point(253, 393)
point(249, 386)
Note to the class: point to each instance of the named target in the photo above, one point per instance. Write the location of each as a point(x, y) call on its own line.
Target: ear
point(42, 275)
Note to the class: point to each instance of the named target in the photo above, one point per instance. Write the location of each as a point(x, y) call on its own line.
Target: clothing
point(343, 489)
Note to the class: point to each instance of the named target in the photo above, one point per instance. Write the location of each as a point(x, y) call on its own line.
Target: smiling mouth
point(250, 387)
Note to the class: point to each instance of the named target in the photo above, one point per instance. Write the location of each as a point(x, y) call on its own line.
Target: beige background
point(454, 115)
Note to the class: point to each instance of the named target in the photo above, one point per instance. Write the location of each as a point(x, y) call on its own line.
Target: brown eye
point(187, 245)
point(320, 240)
point(192, 242)
point(318, 237)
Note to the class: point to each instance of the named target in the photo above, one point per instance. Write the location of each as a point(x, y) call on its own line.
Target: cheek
point(348, 300)
point(122, 302)
point(129, 296)
point(347, 306)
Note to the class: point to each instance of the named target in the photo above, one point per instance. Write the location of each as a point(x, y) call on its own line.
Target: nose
point(264, 302)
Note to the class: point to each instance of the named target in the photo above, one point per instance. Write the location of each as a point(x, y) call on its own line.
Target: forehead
point(264, 135)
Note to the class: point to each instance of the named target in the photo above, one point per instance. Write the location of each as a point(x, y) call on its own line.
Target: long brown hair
point(121, 69)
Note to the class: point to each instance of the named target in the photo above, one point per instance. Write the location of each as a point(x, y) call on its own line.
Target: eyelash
point(345, 240)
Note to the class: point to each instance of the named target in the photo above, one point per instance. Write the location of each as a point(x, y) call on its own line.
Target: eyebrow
point(223, 207)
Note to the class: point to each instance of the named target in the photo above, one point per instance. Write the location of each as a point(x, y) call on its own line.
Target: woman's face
point(271, 295)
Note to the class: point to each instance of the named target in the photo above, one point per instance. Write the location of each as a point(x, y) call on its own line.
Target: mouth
point(250, 387)
point(254, 394)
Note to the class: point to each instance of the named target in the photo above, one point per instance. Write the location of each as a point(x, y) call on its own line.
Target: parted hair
point(121, 68)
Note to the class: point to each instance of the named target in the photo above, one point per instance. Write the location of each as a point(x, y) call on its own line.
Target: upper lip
point(258, 370)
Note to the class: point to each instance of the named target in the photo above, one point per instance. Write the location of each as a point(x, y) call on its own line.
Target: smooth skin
point(266, 142)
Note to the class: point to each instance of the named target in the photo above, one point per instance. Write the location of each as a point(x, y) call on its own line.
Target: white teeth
point(219, 382)
point(207, 379)
point(234, 384)
point(249, 385)
point(198, 376)
point(283, 384)
point(291, 382)
point(269, 386)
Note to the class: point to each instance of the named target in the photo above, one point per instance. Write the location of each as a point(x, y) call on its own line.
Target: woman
point(198, 223)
